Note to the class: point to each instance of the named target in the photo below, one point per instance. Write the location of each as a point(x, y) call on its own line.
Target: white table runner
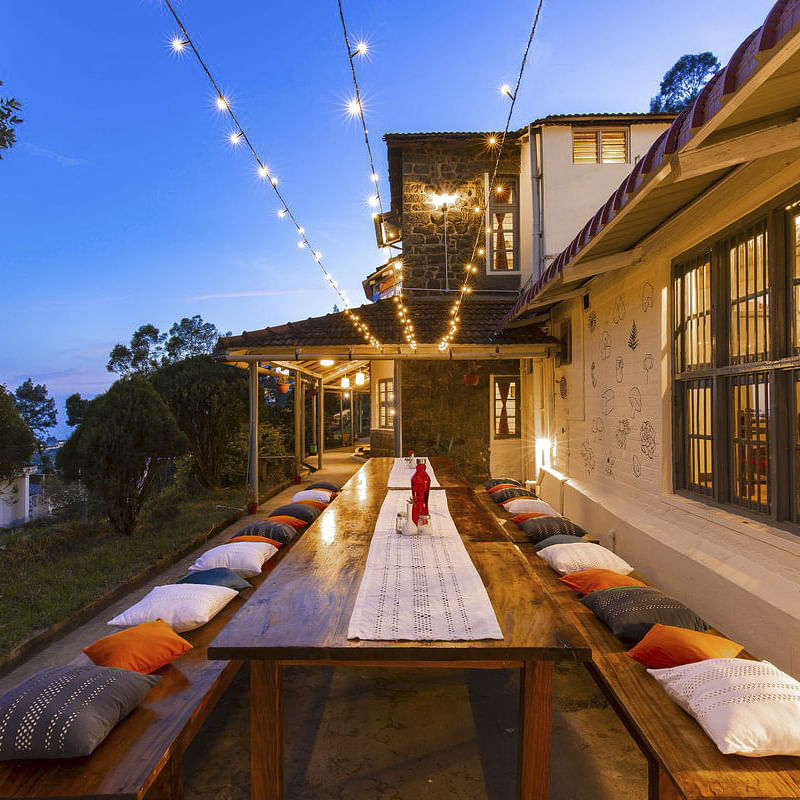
point(423, 587)
point(401, 474)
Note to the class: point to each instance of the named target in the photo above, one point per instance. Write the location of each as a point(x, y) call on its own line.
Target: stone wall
point(456, 167)
point(381, 442)
point(441, 414)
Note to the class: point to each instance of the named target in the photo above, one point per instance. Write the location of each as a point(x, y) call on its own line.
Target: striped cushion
point(495, 481)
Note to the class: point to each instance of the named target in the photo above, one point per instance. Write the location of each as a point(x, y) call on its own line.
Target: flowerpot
point(471, 379)
point(283, 388)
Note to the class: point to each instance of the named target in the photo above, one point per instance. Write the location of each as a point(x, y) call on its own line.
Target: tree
point(17, 442)
point(76, 407)
point(210, 404)
point(36, 407)
point(121, 447)
point(149, 348)
point(9, 107)
point(683, 82)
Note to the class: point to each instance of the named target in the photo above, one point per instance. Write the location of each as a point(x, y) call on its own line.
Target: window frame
point(780, 364)
point(513, 379)
point(512, 208)
point(598, 132)
point(385, 403)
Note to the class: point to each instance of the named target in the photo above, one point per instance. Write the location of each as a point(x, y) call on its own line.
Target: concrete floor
point(358, 734)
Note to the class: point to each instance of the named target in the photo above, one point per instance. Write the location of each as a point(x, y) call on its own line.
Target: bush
point(122, 447)
point(17, 442)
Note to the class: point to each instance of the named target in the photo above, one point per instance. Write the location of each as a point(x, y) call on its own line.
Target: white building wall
point(14, 502)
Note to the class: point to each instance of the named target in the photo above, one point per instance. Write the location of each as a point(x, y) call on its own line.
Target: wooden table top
point(303, 610)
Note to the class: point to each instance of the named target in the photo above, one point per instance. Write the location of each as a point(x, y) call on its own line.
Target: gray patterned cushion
point(64, 712)
point(279, 531)
point(334, 487)
point(296, 510)
point(558, 538)
point(497, 481)
point(541, 528)
point(631, 612)
point(510, 494)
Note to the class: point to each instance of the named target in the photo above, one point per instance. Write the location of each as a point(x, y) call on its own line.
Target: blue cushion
point(278, 531)
point(333, 487)
point(558, 538)
point(296, 510)
point(497, 481)
point(218, 576)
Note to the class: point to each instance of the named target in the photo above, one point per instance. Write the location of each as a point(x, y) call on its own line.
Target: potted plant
point(283, 384)
point(471, 378)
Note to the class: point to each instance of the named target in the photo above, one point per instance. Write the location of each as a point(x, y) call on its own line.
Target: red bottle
point(420, 488)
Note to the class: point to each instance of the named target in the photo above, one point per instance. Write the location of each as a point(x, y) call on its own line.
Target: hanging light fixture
point(326, 362)
point(345, 382)
point(361, 378)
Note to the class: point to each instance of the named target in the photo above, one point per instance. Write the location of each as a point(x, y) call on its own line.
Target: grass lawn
point(54, 569)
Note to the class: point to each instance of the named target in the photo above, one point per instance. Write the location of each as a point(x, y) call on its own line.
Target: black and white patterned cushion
point(65, 712)
point(497, 481)
point(541, 528)
point(631, 612)
point(278, 531)
point(510, 494)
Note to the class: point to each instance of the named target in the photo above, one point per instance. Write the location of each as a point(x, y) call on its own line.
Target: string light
point(222, 103)
point(355, 108)
point(238, 136)
point(492, 141)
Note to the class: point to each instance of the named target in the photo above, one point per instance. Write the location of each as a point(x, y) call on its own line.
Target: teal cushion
point(217, 576)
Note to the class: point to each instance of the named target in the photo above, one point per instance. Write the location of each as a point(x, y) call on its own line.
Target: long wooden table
point(300, 615)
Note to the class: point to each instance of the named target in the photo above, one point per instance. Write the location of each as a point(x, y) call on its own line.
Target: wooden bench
point(142, 756)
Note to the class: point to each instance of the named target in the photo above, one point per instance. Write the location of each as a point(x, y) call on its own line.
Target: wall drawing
point(605, 345)
point(647, 297)
point(637, 467)
point(647, 434)
point(598, 426)
point(647, 364)
point(610, 462)
point(635, 400)
point(620, 370)
point(594, 375)
point(623, 431)
point(633, 339)
point(592, 321)
point(587, 453)
point(608, 401)
point(619, 310)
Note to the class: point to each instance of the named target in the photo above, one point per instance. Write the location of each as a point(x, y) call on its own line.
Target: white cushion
point(529, 505)
point(317, 495)
point(183, 606)
point(749, 708)
point(244, 558)
point(566, 558)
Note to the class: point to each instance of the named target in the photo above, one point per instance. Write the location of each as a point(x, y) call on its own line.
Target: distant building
point(15, 500)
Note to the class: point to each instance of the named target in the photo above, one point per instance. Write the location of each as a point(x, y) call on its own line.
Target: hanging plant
point(471, 379)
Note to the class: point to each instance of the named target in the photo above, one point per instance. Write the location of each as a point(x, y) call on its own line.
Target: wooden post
point(536, 701)
point(298, 422)
point(266, 759)
point(321, 423)
point(252, 455)
point(314, 423)
point(353, 417)
point(398, 412)
point(341, 417)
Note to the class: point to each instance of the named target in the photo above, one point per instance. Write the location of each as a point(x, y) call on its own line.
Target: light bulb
point(301, 244)
point(506, 90)
point(177, 43)
point(326, 362)
point(374, 177)
point(373, 200)
point(353, 107)
point(235, 137)
point(362, 48)
point(281, 213)
point(263, 172)
point(361, 378)
point(222, 103)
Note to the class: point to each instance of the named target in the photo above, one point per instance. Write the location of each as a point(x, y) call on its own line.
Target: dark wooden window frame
point(780, 368)
point(385, 404)
point(512, 208)
point(515, 381)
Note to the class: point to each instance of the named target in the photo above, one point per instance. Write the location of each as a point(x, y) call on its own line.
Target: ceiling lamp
point(327, 362)
point(345, 382)
point(361, 378)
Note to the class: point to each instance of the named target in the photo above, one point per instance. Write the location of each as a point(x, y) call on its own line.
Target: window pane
point(699, 471)
point(749, 296)
point(503, 241)
point(505, 408)
point(692, 302)
point(614, 146)
point(796, 283)
point(796, 426)
point(584, 147)
point(750, 404)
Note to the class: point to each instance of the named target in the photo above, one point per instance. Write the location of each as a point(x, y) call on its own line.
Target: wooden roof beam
point(736, 150)
point(599, 266)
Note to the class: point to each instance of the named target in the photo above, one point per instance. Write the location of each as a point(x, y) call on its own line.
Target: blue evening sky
point(122, 202)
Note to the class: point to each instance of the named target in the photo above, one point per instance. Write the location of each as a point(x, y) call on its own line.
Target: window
point(503, 208)
point(385, 403)
point(506, 407)
point(736, 361)
point(600, 146)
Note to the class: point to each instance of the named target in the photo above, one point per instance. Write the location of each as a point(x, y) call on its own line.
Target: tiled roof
point(430, 316)
point(781, 20)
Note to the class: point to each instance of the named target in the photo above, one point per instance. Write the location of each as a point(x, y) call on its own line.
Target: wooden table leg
point(266, 765)
point(536, 700)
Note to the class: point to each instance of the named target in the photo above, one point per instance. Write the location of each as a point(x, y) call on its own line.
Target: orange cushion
point(313, 503)
point(260, 539)
point(517, 518)
point(502, 486)
point(593, 580)
point(298, 524)
point(665, 646)
point(143, 648)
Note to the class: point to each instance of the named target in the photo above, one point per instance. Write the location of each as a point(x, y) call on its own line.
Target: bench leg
point(659, 784)
point(265, 730)
point(169, 783)
point(536, 699)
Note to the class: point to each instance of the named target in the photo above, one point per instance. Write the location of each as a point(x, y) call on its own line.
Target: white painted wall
point(14, 502)
point(505, 455)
